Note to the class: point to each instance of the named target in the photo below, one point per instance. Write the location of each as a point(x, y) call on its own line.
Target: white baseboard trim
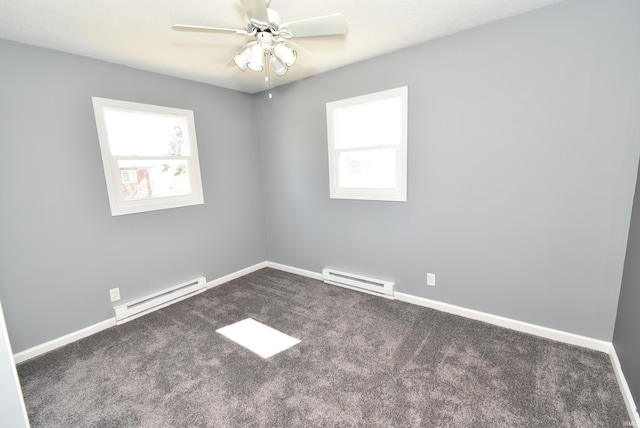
point(624, 388)
point(549, 333)
point(236, 275)
point(64, 340)
point(536, 330)
point(88, 331)
point(297, 271)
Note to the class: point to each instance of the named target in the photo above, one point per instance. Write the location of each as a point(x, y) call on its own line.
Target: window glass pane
point(146, 134)
point(367, 138)
point(370, 124)
point(129, 176)
point(367, 169)
point(147, 179)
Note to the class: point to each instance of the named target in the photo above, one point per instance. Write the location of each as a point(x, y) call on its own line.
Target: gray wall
point(522, 162)
point(60, 248)
point(521, 168)
point(626, 338)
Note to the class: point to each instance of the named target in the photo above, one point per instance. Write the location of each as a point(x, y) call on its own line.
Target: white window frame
point(399, 193)
point(113, 176)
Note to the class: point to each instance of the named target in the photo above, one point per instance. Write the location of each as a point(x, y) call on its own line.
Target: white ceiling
point(137, 33)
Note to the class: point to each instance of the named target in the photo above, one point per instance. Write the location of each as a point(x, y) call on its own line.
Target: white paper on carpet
point(257, 337)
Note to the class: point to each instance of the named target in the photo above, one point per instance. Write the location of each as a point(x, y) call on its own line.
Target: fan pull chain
point(267, 77)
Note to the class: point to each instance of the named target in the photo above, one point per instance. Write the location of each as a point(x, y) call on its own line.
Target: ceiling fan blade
point(321, 26)
point(198, 29)
point(256, 10)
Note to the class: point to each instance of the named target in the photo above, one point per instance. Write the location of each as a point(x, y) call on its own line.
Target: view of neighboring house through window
point(368, 146)
point(149, 154)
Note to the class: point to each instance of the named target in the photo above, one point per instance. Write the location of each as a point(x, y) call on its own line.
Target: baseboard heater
point(155, 301)
point(358, 282)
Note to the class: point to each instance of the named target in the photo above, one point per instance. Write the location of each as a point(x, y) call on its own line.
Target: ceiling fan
point(269, 48)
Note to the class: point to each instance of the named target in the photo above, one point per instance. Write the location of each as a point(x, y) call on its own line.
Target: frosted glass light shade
point(242, 58)
point(277, 67)
point(285, 54)
point(256, 59)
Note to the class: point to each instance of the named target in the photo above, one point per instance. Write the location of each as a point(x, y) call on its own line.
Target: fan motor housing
point(264, 38)
point(272, 26)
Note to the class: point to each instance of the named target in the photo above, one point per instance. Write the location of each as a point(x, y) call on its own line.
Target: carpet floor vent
point(358, 282)
point(155, 301)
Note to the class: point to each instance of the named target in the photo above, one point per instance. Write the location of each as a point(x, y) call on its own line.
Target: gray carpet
point(363, 361)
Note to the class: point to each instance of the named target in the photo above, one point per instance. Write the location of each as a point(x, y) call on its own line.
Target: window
point(149, 154)
point(129, 176)
point(368, 146)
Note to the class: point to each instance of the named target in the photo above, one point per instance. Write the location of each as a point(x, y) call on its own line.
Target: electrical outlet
point(114, 293)
point(431, 279)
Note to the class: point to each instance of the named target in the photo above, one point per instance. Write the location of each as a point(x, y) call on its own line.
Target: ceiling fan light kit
point(242, 59)
point(256, 58)
point(277, 66)
point(269, 50)
point(280, 56)
point(285, 54)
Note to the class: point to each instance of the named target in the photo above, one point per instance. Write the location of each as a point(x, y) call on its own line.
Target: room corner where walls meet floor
point(552, 334)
